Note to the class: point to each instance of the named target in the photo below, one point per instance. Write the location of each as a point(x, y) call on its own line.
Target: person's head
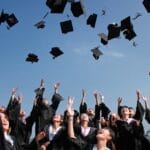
point(5, 122)
point(113, 117)
point(45, 101)
point(90, 112)
point(84, 118)
point(125, 111)
point(131, 112)
point(57, 119)
point(2, 109)
point(22, 113)
point(105, 134)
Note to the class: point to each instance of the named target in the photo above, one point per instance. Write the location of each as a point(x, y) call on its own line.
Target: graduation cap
point(55, 52)
point(146, 4)
point(11, 20)
point(126, 24)
point(129, 34)
point(40, 24)
point(113, 31)
point(3, 17)
point(32, 58)
point(56, 6)
point(104, 38)
point(66, 26)
point(92, 20)
point(96, 53)
point(76, 9)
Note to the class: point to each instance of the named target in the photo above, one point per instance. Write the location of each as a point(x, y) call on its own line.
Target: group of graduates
point(83, 129)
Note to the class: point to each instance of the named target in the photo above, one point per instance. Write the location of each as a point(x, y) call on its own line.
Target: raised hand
point(70, 111)
point(139, 95)
point(14, 91)
point(119, 101)
point(42, 83)
point(56, 86)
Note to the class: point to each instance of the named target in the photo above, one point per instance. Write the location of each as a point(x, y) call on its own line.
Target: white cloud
point(115, 54)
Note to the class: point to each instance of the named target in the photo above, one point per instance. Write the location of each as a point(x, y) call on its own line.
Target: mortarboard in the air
point(126, 24)
point(11, 20)
point(113, 31)
point(66, 26)
point(104, 38)
point(56, 6)
point(146, 4)
point(96, 53)
point(32, 58)
point(3, 17)
point(76, 9)
point(92, 20)
point(129, 34)
point(40, 24)
point(55, 52)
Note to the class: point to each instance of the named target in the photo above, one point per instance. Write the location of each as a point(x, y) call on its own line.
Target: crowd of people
point(83, 129)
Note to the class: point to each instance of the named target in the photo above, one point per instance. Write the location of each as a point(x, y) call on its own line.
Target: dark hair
point(110, 143)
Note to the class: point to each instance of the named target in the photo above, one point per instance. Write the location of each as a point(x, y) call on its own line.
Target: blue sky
point(119, 72)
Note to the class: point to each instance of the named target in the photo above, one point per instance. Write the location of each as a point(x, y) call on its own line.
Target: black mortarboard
point(113, 31)
point(32, 58)
point(96, 53)
point(76, 9)
point(3, 17)
point(11, 20)
point(126, 24)
point(56, 6)
point(55, 51)
point(92, 20)
point(104, 38)
point(129, 34)
point(40, 24)
point(66, 26)
point(146, 4)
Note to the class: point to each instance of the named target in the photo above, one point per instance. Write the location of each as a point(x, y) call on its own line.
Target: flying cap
point(76, 9)
point(96, 53)
point(103, 38)
point(126, 24)
point(56, 6)
point(55, 52)
point(40, 24)
point(113, 31)
point(66, 26)
point(12, 20)
point(92, 20)
point(32, 58)
point(3, 17)
point(146, 4)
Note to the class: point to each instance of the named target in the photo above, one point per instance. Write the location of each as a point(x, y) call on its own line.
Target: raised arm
point(70, 115)
point(83, 105)
point(119, 100)
point(56, 98)
point(147, 109)
point(40, 90)
point(139, 108)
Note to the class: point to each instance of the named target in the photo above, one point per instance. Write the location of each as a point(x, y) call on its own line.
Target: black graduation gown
point(22, 131)
point(129, 135)
point(147, 115)
point(45, 113)
point(88, 139)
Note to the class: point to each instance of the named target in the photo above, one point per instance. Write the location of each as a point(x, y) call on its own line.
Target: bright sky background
point(119, 72)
